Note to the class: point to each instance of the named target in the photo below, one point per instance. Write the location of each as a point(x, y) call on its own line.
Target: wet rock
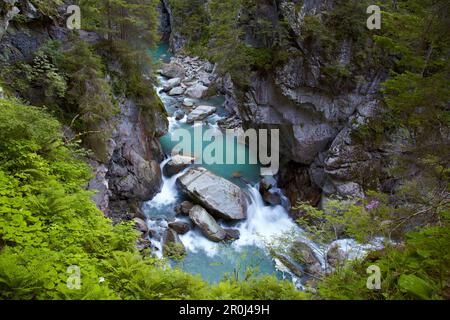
point(179, 115)
point(208, 67)
point(172, 83)
point(219, 196)
point(173, 70)
point(177, 91)
point(267, 183)
point(197, 91)
point(177, 164)
point(232, 234)
point(271, 198)
point(207, 224)
point(141, 226)
point(180, 227)
point(100, 184)
point(189, 103)
point(6, 18)
point(304, 255)
point(336, 256)
point(200, 113)
point(184, 208)
point(173, 246)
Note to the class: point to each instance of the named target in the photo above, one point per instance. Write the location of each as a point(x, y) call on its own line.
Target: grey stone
point(304, 255)
point(232, 234)
point(172, 83)
point(173, 70)
point(180, 227)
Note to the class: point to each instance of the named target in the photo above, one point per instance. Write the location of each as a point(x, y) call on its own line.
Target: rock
point(336, 256)
point(232, 234)
point(184, 208)
point(269, 194)
point(141, 226)
point(143, 244)
point(172, 83)
point(173, 70)
point(289, 264)
point(205, 78)
point(180, 227)
point(209, 67)
point(6, 18)
point(304, 255)
point(179, 115)
point(267, 183)
point(2, 95)
point(197, 91)
point(207, 224)
point(177, 91)
point(101, 185)
point(271, 198)
point(173, 247)
point(219, 196)
point(89, 36)
point(200, 113)
point(236, 175)
point(177, 164)
point(189, 103)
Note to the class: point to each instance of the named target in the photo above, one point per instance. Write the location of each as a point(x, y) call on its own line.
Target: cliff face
point(316, 119)
point(130, 173)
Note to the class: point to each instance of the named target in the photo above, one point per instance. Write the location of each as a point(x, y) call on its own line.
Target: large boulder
point(172, 83)
point(209, 226)
point(200, 113)
point(177, 164)
point(219, 196)
point(173, 70)
point(197, 91)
